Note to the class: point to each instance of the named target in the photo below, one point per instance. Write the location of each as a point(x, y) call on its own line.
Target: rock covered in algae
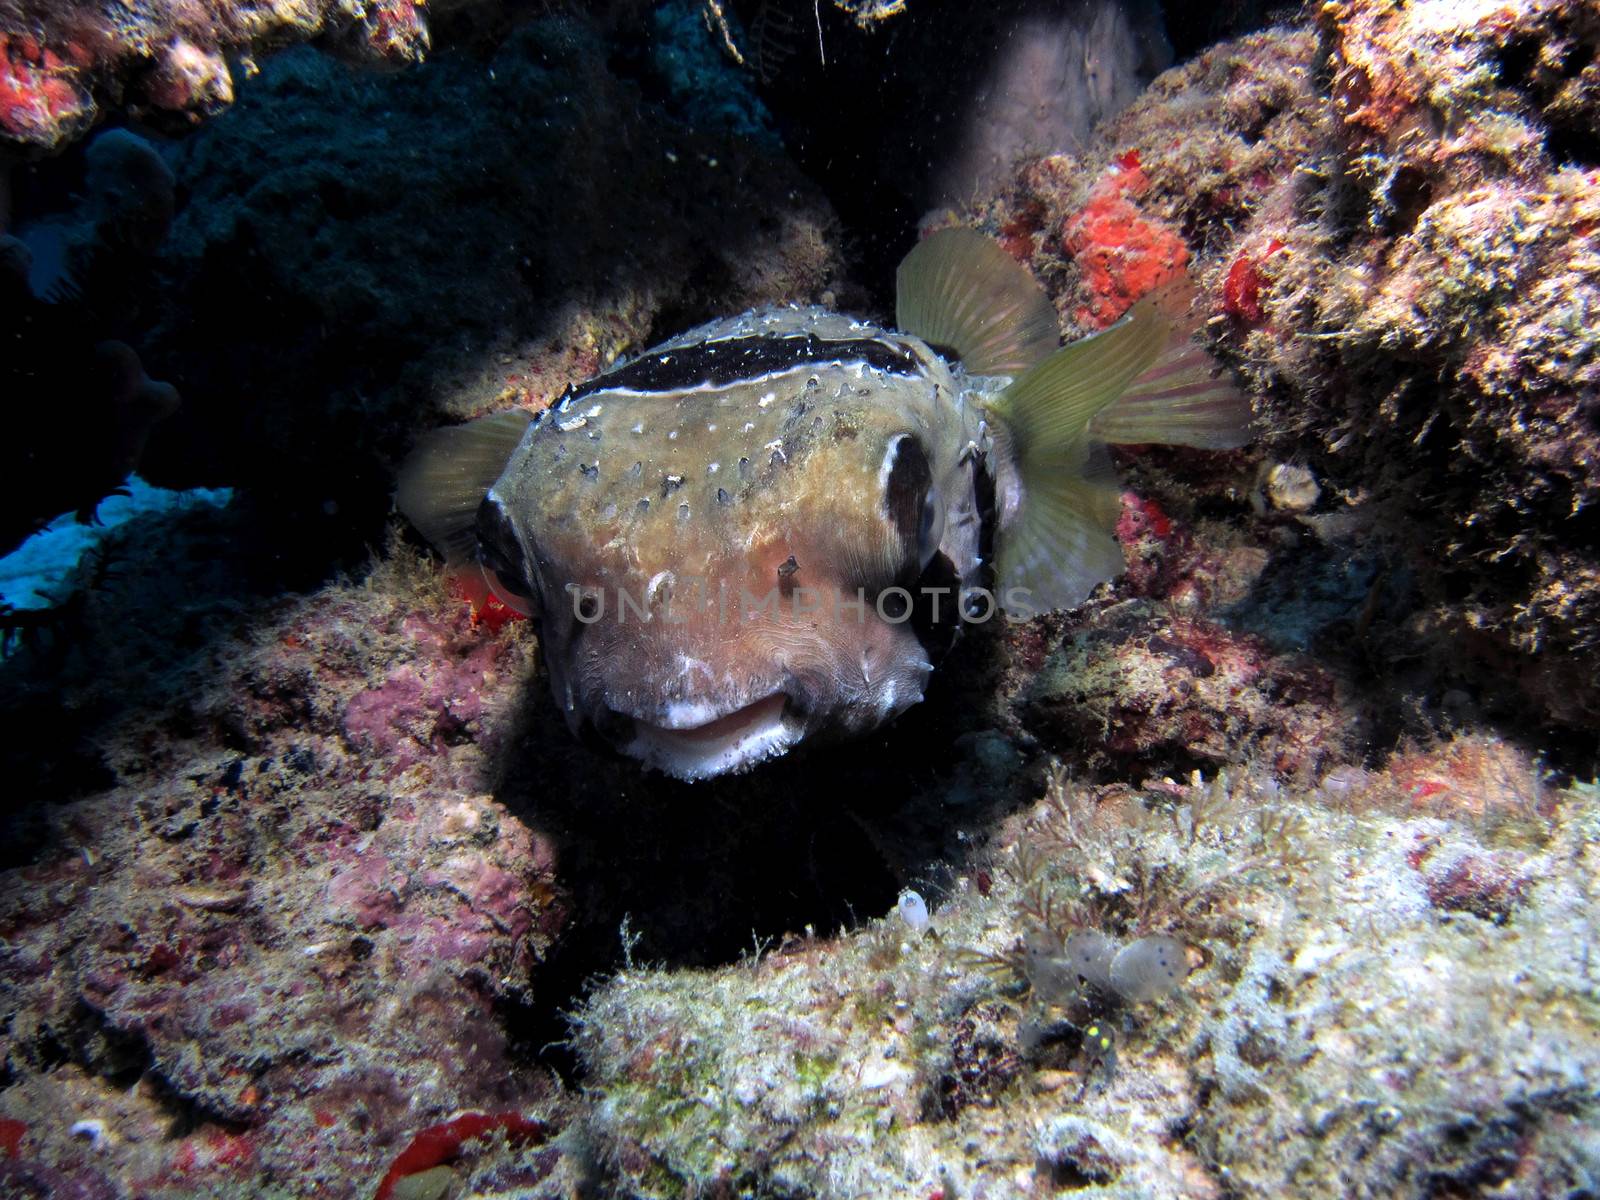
point(67, 64)
point(1332, 977)
point(266, 929)
point(1403, 265)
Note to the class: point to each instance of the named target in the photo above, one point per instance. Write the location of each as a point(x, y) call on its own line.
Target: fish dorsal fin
point(1057, 494)
point(1186, 398)
point(446, 477)
point(960, 290)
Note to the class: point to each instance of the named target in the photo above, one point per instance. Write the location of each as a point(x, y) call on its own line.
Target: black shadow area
point(697, 875)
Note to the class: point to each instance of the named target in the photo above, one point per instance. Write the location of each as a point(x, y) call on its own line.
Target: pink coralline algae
point(419, 706)
point(281, 900)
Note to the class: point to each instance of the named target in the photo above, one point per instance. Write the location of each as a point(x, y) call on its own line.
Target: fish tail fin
point(446, 477)
point(1186, 398)
point(1056, 493)
point(959, 291)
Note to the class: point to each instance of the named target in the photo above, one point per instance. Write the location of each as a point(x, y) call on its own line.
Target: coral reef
point(322, 861)
point(1330, 978)
point(1351, 927)
point(63, 66)
point(290, 932)
point(1156, 693)
point(1245, 879)
point(1405, 271)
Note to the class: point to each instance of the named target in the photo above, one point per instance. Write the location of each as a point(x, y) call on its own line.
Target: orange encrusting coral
point(1122, 253)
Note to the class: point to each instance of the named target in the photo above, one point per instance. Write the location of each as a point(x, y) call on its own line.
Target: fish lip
point(732, 741)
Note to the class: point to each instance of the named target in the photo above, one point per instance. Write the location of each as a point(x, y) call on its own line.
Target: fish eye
point(516, 599)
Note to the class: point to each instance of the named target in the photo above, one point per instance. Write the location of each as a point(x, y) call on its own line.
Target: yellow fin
point(446, 477)
point(1056, 492)
point(1063, 543)
point(959, 289)
point(1186, 398)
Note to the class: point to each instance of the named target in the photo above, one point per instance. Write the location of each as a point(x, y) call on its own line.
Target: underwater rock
point(131, 189)
point(1159, 694)
point(288, 932)
point(1053, 79)
point(936, 108)
point(1404, 267)
point(1299, 1056)
point(66, 64)
point(1457, 328)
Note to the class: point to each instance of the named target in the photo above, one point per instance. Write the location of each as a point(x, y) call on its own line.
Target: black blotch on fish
point(717, 364)
point(909, 478)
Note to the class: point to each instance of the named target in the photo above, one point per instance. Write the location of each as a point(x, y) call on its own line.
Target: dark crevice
point(1065, 1174)
point(1573, 146)
point(1409, 193)
point(124, 1058)
point(811, 844)
point(1515, 61)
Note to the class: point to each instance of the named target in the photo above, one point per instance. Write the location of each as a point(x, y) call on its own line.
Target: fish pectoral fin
point(1060, 543)
point(959, 289)
point(446, 477)
point(1186, 398)
point(1048, 410)
point(1055, 486)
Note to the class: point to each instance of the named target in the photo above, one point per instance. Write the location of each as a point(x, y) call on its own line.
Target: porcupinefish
point(768, 529)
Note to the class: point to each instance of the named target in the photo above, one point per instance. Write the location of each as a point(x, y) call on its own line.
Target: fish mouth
point(733, 741)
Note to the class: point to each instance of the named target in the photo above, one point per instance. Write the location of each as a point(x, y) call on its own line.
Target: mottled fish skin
point(752, 457)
